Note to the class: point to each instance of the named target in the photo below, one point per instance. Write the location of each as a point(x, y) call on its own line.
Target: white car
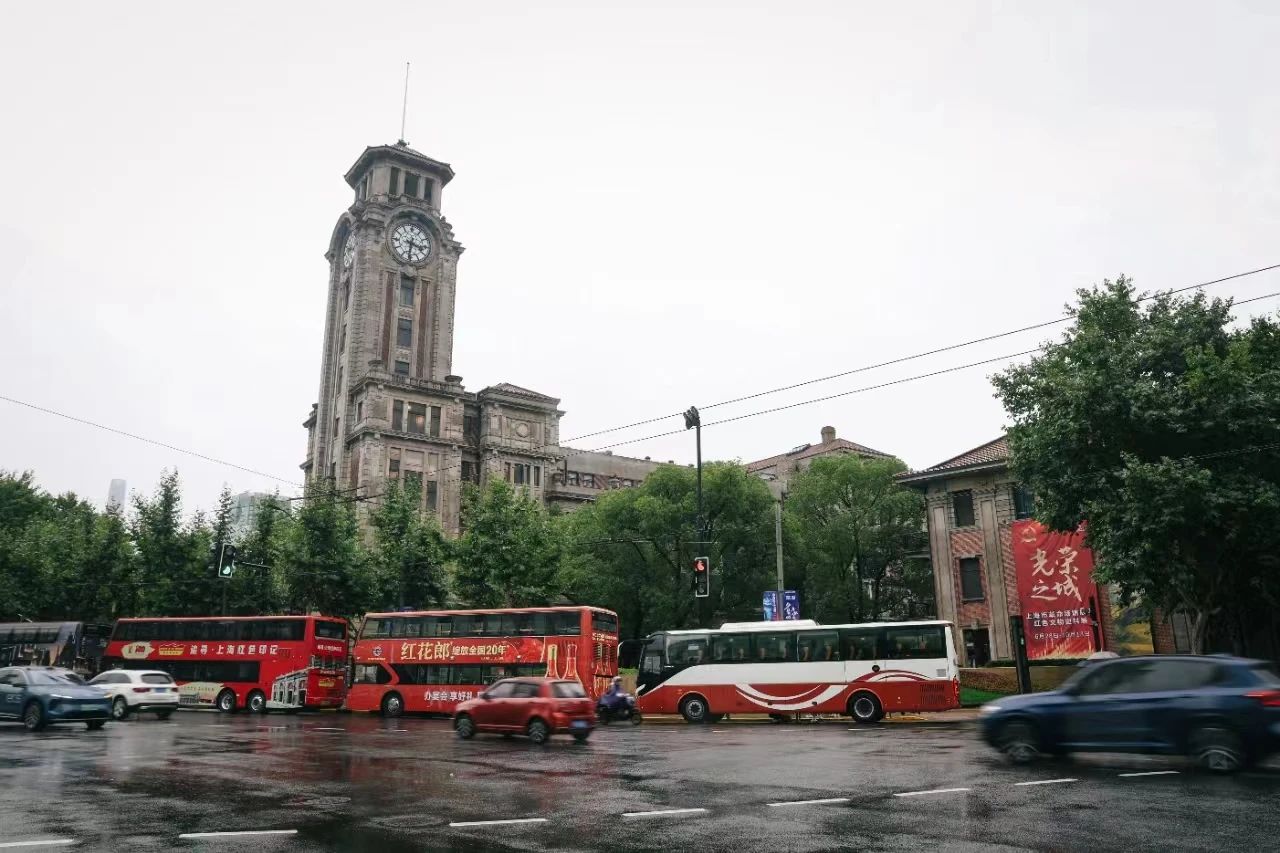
point(138, 690)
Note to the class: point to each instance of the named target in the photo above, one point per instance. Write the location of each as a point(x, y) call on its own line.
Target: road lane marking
point(808, 802)
point(661, 812)
point(44, 842)
point(1045, 782)
point(934, 791)
point(1152, 773)
point(459, 823)
point(239, 834)
point(327, 729)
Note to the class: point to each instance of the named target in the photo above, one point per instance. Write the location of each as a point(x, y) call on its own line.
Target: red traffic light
point(700, 564)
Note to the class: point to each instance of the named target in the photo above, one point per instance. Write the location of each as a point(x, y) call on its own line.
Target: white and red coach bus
point(259, 663)
point(782, 668)
point(429, 661)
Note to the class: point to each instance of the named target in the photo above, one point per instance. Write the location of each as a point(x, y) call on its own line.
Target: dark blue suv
point(1222, 711)
point(39, 695)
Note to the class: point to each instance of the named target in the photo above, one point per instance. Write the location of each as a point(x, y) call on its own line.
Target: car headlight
point(988, 709)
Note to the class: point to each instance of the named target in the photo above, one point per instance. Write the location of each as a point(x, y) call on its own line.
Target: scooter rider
point(615, 697)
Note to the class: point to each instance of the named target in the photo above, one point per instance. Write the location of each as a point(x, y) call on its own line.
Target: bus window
point(604, 623)
point(731, 648)
point(686, 651)
point(814, 646)
point(464, 626)
point(372, 674)
point(567, 624)
point(492, 624)
point(861, 644)
point(331, 630)
point(923, 641)
point(772, 648)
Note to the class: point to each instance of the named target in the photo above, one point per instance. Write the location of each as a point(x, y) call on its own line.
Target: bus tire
point(256, 703)
point(694, 709)
point(392, 705)
point(538, 731)
point(226, 701)
point(865, 708)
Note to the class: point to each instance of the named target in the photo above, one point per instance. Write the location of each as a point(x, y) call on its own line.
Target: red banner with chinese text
point(1056, 591)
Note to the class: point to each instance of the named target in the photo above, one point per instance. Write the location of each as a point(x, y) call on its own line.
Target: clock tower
point(390, 406)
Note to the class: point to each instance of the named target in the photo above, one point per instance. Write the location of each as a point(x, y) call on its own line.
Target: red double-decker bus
point(429, 661)
point(259, 663)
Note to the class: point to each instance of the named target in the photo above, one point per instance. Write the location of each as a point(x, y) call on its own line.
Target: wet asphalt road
point(355, 782)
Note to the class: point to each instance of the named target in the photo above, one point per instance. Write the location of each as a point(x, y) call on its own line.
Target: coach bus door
point(863, 650)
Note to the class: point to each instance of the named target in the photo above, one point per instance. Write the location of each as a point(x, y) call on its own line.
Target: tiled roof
point(992, 452)
point(812, 450)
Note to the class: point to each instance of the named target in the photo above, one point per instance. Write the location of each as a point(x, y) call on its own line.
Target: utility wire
point(801, 384)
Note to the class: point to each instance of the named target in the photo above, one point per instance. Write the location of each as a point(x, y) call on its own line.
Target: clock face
point(411, 243)
point(349, 250)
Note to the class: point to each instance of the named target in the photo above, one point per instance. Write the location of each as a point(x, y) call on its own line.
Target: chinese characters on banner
point(1056, 591)
point(790, 604)
point(771, 609)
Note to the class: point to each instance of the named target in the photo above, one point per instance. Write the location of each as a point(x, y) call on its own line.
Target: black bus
point(74, 645)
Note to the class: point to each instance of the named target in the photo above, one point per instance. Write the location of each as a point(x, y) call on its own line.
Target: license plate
point(579, 724)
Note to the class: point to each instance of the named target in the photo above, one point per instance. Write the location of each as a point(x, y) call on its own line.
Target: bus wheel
point(226, 702)
point(392, 705)
point(694, 709)
point(256, 703)
point(864, 707)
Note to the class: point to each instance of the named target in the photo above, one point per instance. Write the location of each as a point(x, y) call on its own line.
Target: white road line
point(239, 834)
point(808, 802)
point(1152, 773)
point(498, 822)
point(44, 842)
point(661, 812)
point(934, 791)
point(1045, 782)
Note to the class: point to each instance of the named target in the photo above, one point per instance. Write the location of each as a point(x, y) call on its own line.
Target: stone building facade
point(390, 405)
point(778, 470)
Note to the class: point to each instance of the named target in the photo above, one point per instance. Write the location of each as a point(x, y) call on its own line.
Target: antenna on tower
point(404, 108)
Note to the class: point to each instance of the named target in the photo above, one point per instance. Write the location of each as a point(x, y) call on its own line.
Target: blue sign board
point(790, 604)
point(771, 609)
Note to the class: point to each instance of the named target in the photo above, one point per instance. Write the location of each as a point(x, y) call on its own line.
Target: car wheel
point(1020, 741)
point(33, 717)
point(581, 737)
point(256, 703)
point(226, 702)
point(864, 707)
point(1217, 750)
point(94, 725)
point(538, 732)
point(165, 714)
point(694, 709)
point(119, 708)
point(636, 718)
point(392, 705)
point(465, 727)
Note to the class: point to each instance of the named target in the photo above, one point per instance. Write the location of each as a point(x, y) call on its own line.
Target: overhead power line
point(752, 396)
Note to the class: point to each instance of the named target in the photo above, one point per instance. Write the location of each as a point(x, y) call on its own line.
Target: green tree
point(409, 550)
point(509, 552)
point(257, 588)
point(175, 569)
point(324, 566)
point(1156, 422)
point(633, 549)
point(855, 529)
point(22, 582)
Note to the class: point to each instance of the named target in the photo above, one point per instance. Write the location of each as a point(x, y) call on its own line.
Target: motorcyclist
point(616, 696)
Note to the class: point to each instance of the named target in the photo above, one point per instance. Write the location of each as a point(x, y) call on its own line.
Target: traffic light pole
point(693, 420)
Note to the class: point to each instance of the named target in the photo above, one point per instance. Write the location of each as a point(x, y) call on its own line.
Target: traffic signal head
point(701, 577)
point(227, 565)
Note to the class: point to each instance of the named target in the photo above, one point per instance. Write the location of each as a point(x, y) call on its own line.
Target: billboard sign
point(790, 604)
point(771, 609)
point(1056, 591)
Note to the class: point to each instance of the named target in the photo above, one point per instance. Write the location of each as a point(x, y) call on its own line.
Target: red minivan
point(537, 707)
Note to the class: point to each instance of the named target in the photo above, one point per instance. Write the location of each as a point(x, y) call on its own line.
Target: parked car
point(537, 707)
point(40, 695)
point(1224, 712)
point(133, 690)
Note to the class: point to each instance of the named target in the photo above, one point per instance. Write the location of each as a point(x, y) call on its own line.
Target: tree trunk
point(1199, 628)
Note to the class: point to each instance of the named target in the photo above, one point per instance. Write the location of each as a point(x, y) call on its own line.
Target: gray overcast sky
point(662, 204)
